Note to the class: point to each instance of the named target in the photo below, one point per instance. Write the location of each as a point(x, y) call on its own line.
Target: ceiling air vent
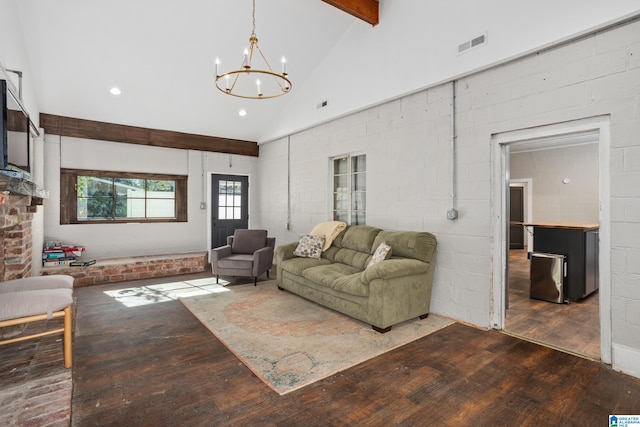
point(473, 43)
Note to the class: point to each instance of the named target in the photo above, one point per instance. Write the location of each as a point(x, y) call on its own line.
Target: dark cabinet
point(579, 245)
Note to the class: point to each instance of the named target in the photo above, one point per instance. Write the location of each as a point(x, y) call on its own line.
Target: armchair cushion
point(248, 241)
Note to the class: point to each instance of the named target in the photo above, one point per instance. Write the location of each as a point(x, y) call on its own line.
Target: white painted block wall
point(407, 145)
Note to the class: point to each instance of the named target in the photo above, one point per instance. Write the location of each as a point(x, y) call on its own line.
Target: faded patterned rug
point(289, 342)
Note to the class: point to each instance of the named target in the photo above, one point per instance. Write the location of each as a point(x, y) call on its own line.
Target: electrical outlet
point(452, 214)
point(203, 205)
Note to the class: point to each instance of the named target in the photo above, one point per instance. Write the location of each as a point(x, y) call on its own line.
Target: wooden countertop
point(573, 225)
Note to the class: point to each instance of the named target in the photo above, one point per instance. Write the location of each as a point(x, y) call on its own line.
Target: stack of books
point(56, 254)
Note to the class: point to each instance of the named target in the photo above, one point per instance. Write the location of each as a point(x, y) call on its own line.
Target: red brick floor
point(35, 387)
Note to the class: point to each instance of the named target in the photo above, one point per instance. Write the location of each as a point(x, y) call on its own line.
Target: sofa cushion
point(309, 246)
point(325, 275)
point(409, 244)
point(298, 265)
point(351, 285)
point(360, 238)
point(353, 258)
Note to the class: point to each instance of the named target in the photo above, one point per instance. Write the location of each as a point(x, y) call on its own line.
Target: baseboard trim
point(626, 360)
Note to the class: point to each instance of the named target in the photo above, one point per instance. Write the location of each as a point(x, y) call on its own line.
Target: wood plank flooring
point(156, 365)
point(573, 327)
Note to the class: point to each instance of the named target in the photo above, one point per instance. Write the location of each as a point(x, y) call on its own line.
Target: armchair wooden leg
point(267, 274)
point(68, 347)
point(217, 277)
point(255, 280)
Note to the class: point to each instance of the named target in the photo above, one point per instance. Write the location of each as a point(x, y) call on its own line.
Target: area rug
point(289, 342)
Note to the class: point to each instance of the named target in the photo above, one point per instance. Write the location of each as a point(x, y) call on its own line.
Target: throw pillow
point(309, 246)
point(382, 252)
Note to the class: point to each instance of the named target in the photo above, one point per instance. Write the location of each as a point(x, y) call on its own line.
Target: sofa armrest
point(394, 267)
point(285, 251)
point(220, 252)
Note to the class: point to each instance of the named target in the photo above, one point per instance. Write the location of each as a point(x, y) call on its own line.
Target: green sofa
point(384, 294)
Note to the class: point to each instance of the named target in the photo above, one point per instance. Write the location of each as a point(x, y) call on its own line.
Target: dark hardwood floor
point(573, 327)
point(156, 365)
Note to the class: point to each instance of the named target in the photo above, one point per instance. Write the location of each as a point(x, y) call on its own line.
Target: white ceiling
point(161, 54)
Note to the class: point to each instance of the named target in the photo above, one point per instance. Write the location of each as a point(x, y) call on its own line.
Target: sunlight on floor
point(152, 294)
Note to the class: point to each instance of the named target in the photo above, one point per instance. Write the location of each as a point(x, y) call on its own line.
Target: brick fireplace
point(16, 254)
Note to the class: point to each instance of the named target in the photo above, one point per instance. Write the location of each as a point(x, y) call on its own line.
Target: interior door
point(229, 206)
point(516, 214)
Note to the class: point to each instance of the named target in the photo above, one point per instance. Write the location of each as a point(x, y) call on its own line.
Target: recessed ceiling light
point(115, 91)
point(242, 113)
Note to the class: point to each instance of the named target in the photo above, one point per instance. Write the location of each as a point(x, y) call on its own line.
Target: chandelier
point(255, 79)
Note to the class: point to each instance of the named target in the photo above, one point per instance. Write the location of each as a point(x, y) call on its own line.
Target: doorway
point(229, 206)
point(516, 313)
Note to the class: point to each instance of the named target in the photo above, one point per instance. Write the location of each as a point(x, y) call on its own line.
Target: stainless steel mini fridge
point(547, 273)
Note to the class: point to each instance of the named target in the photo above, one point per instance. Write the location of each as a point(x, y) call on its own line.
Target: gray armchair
point(248, 253)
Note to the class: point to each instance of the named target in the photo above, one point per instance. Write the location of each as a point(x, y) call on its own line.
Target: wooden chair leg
point(68, 347)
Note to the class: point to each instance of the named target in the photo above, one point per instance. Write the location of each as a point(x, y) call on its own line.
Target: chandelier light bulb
point(217, 66)
point(284, 66)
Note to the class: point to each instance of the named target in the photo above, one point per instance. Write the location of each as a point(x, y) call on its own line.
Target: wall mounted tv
point(15, 126)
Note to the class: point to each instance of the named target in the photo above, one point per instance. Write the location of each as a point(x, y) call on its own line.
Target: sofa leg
point(217, 277)
point(424, 316)
point(381, 330)
point(282, 289)
point(267, 274)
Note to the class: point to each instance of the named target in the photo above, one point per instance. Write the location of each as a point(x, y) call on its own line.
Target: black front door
point(229, 206)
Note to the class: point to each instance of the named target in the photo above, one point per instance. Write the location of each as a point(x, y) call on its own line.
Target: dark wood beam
point(81, 128)
point(367, 10)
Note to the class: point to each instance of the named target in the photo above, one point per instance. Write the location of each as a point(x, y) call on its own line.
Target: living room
point(582, 66)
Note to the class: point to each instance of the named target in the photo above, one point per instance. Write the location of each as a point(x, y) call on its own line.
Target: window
point(89, 197)
point(350, 189)
point(229, 199)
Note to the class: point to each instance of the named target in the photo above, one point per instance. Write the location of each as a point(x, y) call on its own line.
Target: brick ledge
point(110, 270)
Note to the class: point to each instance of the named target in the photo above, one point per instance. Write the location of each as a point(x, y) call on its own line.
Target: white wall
point(408, 169)
point(116, 240)
point(553, 200)
point(416, 46)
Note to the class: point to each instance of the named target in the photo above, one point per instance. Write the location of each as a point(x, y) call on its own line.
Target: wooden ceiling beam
point(81, 128)
point(367, 10)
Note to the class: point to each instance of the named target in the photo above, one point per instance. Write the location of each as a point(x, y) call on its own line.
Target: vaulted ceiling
point(351, 53)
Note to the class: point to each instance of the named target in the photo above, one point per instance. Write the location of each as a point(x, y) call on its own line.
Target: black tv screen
point(16, 146)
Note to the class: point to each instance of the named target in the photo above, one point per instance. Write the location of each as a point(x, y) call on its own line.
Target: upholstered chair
point(248, 253)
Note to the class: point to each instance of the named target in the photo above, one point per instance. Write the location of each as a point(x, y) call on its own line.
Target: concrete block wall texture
point(407, 144)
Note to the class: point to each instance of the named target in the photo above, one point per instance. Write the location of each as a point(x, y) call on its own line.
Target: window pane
point(133, 208)
point(340, 183)
point(161, 186)
point(340, 166)
point(358, 163)
point(222, 212)
point(126, 187)
point(340, 216)
point(237, 187)
point(358, 200)
point(236, 213)
point(161, 208)
point(358, 218)
point(95, 186)
point(359, 182)
point(99, 207)
point(222, 200)
point(229, 213)
point(222, 187)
